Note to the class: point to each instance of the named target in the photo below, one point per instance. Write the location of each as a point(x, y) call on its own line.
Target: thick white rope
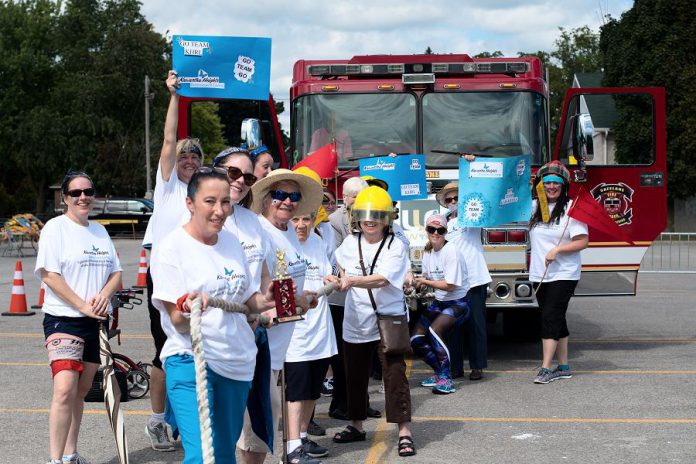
point(200, 365)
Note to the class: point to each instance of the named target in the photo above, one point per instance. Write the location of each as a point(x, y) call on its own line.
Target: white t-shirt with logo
point(328, 236)
point(245, 225)
point(279, 336)
point(543, 237)
point(314, 336)
point(468, 241)
point(182, 265)
point(83, 255)
point(448, 265)
point(359, 321)
point(170, 208)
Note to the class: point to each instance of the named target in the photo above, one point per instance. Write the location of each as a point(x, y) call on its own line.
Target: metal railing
point(672, 252)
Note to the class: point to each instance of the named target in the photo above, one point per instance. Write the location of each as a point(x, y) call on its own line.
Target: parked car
point(121, 214)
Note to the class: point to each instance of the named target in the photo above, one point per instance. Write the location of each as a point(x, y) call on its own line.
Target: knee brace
point(422, 348)
point(441, 352)
point(65, 352)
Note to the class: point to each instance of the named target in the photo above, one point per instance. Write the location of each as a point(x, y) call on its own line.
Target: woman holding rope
point(556, 241)
point(200, 258)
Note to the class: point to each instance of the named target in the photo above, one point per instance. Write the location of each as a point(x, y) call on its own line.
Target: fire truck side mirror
point(251, 133)
point(583, 137)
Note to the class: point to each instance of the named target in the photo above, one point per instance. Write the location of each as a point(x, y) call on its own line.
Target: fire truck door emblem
point(616, 200)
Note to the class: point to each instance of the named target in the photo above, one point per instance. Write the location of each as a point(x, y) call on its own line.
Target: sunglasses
point(282, 195)
point(235, 173)
point(439, 230)
point(76, 193)
point(451, 200)
point(211, 170)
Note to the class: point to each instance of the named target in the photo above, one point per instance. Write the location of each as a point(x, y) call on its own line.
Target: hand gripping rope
point(201, 366)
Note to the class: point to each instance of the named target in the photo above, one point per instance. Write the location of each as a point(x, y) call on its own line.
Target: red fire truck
point(611, 139)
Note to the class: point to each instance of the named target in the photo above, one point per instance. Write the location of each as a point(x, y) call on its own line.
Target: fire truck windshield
point(361, 124)
point(490, 123)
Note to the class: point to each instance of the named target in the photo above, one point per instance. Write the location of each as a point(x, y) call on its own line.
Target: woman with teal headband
point(556, 241)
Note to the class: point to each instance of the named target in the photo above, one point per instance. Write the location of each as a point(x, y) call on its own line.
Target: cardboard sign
point(223, 67)
point(494, 191)
point(404, 174)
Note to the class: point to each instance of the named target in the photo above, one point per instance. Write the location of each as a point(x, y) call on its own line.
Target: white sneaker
point(159, 439)
point(75, 459)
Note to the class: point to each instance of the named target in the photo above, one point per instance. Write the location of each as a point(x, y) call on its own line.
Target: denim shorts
point(86, 328)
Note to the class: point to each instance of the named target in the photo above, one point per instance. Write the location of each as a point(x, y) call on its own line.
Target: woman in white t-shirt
point(556, 241)
point(201, 258)
point(373, 267)
point(312, 345)
point(78, 263)
point(444, 270)
point(278, 197)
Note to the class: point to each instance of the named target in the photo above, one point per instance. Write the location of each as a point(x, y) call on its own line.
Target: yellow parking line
point(601, 372)
point(379, 448)
point(573, 420)
point(86, 411)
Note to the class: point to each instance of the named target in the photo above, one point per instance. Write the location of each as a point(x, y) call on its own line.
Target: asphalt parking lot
point(631, 399)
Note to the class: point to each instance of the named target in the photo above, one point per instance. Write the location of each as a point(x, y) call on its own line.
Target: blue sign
point(404, 174)
point(494, 191)
point(223, 67)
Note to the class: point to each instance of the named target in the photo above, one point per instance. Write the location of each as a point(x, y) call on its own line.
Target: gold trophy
point(283, 291)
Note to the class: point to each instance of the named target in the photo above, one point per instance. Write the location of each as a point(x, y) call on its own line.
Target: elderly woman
point(201, 257)
point(78, 263)
point(556, 241)
point(278, 197)
point(312, 345)
point(373, 266)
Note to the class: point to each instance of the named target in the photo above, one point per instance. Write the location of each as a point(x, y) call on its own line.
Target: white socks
point(293, 445)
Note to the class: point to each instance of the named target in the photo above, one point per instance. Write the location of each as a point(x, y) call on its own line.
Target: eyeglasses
point(282, 195)
point(234, 173)
point(439, 230)
point(77, 193)
point(453, 199)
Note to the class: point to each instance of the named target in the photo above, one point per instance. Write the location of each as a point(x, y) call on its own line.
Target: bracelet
point(180, 303)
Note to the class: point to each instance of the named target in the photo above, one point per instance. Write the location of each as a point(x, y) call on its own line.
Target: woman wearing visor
point(373, 266)
point(556, 241)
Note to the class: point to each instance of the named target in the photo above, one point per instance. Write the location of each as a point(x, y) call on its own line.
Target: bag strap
point(372, 267)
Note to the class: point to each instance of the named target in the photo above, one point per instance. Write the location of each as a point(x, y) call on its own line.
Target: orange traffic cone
point(18, 301)
point(142, 270)
point(42, 294)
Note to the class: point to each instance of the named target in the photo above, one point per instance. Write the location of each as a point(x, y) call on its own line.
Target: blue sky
point(313, 29)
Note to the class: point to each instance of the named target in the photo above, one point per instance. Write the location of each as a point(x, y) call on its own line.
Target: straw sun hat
point(312, 192)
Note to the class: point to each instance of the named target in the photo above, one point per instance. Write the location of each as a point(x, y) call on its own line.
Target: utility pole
point(148, 98)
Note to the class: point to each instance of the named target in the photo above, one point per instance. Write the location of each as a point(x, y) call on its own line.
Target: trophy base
point(280, 320)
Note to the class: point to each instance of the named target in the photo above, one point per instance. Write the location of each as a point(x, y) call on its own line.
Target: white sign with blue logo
point(404, 174)
point(223, 67)
point(494, 191)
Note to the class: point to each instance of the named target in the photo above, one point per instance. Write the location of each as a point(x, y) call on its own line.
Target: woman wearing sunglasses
point(202, 257)
point(78, 263)
point(277, 198)
point(444, 270)
point(468, 242)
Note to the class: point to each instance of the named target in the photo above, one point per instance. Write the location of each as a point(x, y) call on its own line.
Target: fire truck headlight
point(523, 290)
point(502, 290)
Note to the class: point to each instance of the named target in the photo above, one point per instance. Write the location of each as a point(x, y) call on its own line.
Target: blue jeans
point(475, 330)
point(227, 398)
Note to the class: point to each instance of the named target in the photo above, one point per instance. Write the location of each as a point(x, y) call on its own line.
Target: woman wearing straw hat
point(202, 257)
point(277, 198)
point(556, 241)
point(468, 241)
point(78, 263)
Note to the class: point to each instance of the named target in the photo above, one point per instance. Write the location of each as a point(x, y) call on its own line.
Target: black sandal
point(406, 446)
point(350, 434)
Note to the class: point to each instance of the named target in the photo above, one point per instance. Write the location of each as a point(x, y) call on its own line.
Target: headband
point(229, 151)
point(257, 151)
point(553, 178)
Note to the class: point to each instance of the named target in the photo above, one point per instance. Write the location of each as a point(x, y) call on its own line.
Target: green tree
point(495, 54)
point(208, 128)
point(652, 45)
